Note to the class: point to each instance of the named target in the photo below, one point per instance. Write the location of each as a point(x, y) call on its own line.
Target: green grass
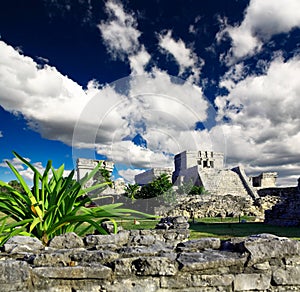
point(228, 230)
point(144, 224)
point(220, 228)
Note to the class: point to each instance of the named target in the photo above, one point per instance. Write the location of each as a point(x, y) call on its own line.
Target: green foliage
point(196, 190)
point(15, 184)
point(103, 175)
point(156, 188)
point(53, 206)
point(185, 188)
point(190, 189)
point(131, 191)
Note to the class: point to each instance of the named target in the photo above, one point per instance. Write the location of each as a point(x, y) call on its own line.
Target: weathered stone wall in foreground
point(150, 260)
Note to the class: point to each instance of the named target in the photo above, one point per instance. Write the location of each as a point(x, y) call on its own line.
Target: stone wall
point(287, 211)
point(150, 260)
point(151, 174)
point(200, 206)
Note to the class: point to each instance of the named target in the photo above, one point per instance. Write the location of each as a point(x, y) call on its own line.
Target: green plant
point(54, 205)
point(197, 190)
point(190, 189)
point(156, 188)
point(131, 191)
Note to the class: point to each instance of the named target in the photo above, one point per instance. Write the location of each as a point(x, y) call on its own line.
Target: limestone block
point(292, 260)
point(266, 246)
point(136, 251)
point(51, 259)
point(199, 244)
point(142, 240)
point(288, 276)
point(97, 256)
point(212, 280)
point(67, 240)
point(155, 266)
point(62, 288)
point(91, 272)
point(112, 247)
point(262, 266)
point(123, 267)
point(14, 272)
point(246, 282)
point(131, 285)
point(178, 282)
point(212, 259)
point(119, 239)
point(20, 243)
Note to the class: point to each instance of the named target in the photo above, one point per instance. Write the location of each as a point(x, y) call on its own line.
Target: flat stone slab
point(210, 259)
point(250, 282)
point(92, 272)
point(199, 244)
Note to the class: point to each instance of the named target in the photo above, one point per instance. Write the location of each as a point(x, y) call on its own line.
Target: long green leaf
point(34, 223)
point(90, 175)
point(94, 187)
point(26, 162)
point(57, 174)
point(27, 190)
point(36, 186)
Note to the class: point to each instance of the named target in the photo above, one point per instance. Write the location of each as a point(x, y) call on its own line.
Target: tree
point(156, 188)
point(15, 184)
point(131, 191)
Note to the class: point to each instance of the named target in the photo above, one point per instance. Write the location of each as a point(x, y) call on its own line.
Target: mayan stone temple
point(206, 168)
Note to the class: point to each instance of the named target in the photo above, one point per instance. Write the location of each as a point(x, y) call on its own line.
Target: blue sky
point(84, 78)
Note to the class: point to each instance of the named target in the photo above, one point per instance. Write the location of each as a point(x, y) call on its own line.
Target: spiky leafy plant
point(54, 205)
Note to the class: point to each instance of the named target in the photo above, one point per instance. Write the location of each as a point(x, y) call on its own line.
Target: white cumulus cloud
point(264, 124)
point(23, 170)
point(161, 108)
point(119, 32)
point(184, 56)
point(262, 20)
point(49, 101)
point(129, 174)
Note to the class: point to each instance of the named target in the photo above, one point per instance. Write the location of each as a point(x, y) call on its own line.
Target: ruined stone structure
point(264, 180)
point(85, 166)
point(151, 174)
point(206, 168)
point(150, 260)
point(287, 211)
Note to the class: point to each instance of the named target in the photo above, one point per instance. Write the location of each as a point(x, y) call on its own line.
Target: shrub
point(54, 205)
point(156, 188)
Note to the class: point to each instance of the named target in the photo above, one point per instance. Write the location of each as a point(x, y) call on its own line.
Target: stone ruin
point(151, 174)
point(231, 193)
point(150, 260)
point(206, 168)
point(85, 166)
point(287, 211)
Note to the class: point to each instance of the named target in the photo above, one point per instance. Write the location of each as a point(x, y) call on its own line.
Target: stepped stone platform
point(150, 260)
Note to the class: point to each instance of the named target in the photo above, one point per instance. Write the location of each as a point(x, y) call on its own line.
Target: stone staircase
point(222, 182)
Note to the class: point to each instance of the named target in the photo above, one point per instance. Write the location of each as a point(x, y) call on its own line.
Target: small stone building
point(264, 180)
point(151, 174)
point(85, 166)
